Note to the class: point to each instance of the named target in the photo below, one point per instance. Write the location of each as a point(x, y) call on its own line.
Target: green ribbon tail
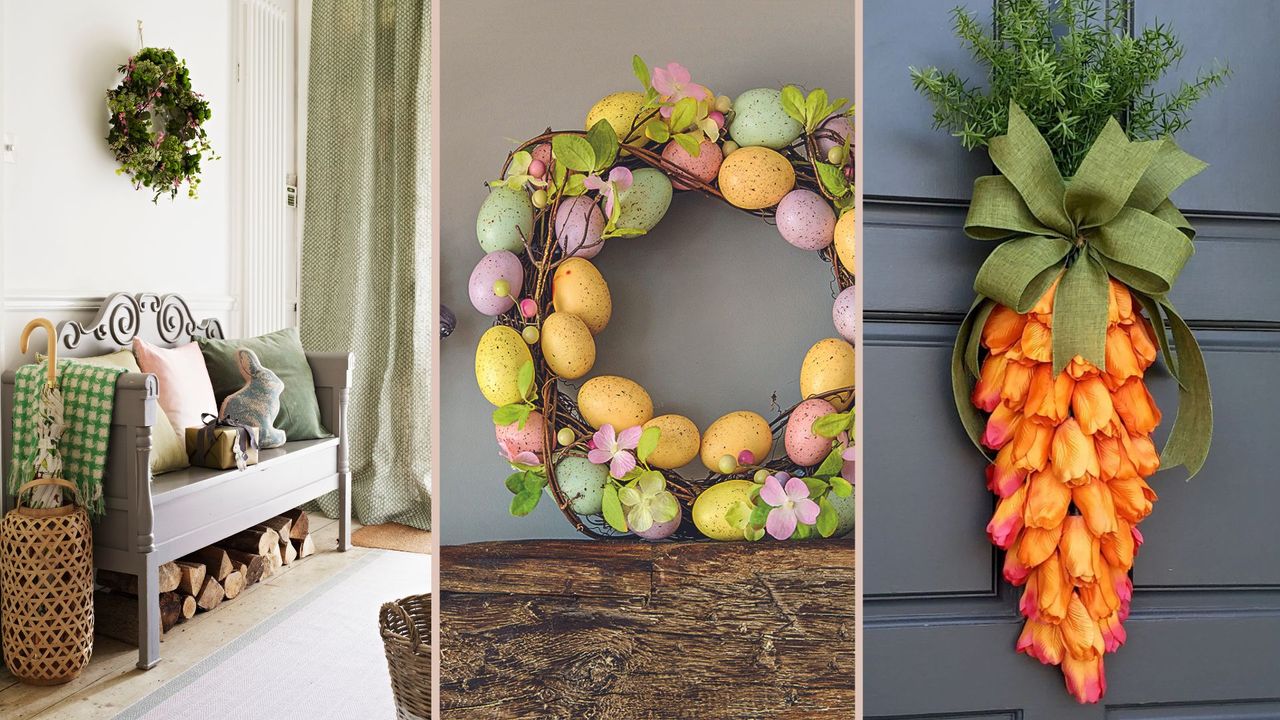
point(1080, 314)
point(961, 387)
point(1192, 432)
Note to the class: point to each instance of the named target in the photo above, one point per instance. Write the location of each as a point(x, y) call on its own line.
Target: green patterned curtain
point(365, 255)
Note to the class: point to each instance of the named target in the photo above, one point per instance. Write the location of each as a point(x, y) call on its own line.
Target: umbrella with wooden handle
point(50, 421)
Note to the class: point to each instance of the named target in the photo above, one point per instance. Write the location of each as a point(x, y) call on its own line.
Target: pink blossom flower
point(619, 180)
point(615, 449)
point(525, 457)
point(791, 505)
point(849, 455)
point(674, 83)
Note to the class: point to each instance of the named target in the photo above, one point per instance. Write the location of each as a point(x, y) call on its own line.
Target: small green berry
point(501, 287)
point(724, 104)
point(835, 155)
point(566, 436)
point(530, 334)
point(728, 147)
point(761, 475)
point(727, 464)
point(539, 199)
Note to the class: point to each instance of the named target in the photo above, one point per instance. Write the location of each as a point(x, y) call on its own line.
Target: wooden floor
point(112, 683)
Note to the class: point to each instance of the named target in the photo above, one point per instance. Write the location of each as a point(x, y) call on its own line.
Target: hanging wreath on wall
point(610, 465)
point(157, 124)
point(1073, 308)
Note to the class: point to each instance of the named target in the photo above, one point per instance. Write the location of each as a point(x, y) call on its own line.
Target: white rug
point(319, 658)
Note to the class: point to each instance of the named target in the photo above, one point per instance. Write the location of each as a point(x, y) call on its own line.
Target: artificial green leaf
point(841, 487)
point(759, 513)
point(533, 481)
point(575, 186)
point(612, 509)
point(827, 518)
point(710, 129)
point(575, 152)
point(817, 486)
point(831, 424)
point(524, 502)
point(803, 532)
point(683, 114)
point(657, 131)
point(524, 379)
point(515, 481)
point(689, 143)
point(648, 443)
point(624, 232)
point(604, 143)
point(738, 514)
point(507, 414)
point(642, 71)
point(832, 178)
point(753, 533)
point(793, 103)
point(815, 106)
point(832, 464)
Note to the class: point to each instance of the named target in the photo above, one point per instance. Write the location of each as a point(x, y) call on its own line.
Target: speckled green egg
point(646, 201)
point(499, 355)
point(582, 482)
point(503, 217)
point(845, 518)
point(759, 120)
point(710, 508)
point(754, 178)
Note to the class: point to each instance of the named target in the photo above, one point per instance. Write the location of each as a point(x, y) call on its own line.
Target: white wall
point(71, 229)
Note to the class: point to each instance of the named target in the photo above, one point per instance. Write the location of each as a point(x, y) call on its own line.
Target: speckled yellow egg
point(614, 400)
point(578, 288)
point(711, 507)
point(677, 443)
point(754, 178)
point(828, 366)
point(621, 110)
point(733, 433)
point(567, 345)
point(845, 231)
point(499, 355)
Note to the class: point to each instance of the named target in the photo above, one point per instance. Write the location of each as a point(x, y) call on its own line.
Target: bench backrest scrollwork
point(124, 316)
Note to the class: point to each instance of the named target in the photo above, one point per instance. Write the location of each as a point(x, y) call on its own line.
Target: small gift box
point(222, 444)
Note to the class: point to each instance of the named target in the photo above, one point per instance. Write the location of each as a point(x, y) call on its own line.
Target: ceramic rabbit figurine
point(258, 402)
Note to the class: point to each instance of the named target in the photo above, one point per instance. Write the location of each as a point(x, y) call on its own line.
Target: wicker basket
point(46, 573)
point(406, 635)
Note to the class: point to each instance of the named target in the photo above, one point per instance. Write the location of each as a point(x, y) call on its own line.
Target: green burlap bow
point(1113, 218)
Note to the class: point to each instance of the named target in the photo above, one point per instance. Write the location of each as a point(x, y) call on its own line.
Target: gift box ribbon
point(1112, 218)
point(246, 438)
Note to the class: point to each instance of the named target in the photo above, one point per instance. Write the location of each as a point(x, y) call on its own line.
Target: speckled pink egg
point(705, 167)
point(805, 219)
point(579, 225)
point(542, 153)
point(842, 125)
point(527, 439)
point(844, 313)
point(803, 446)
point(662, 531)
point(497, 265)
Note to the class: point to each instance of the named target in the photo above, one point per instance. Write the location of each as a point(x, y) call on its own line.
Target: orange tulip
point(1044, 306)
point(1086, 678)
point(1031, 445)
point(1144, 342)
point(1054, 588)
point(1122, 361)
point(1091, 405)
point(1037, 544)
point(1107, 445)
point(1041, 641)
point(1142, 452)
point(1029, 603)
point(1037, 341)
point(1073, 454)
point(1113, 632)
point(1099, 597)
point(1003, 329)
point(1007, 520)
point(1047, 500)
point(1079, 550)
point(1119, 303)
point(1003, 476)
point(1049, 399)
point(1118, 547)
point(1133, 498)
point(986, 393)
point(1080, 634)
point(1135, 406)
point(1079, 368)
point(1001, 426)
point(1094, 502)
point(1017, 381)
point(1015, 571)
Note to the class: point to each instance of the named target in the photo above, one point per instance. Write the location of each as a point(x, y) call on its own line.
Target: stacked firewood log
point(206, 578)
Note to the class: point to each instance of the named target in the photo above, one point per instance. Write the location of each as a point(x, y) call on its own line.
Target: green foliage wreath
point(157, 123)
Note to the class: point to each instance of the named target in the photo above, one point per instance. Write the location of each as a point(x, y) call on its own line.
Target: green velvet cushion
point(282, 353)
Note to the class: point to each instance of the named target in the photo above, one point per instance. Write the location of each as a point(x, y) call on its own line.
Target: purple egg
point(842, 125)
point(662, 531)
point(806, 220)
point(579, 225)
point(844, 313)
point(497, 265)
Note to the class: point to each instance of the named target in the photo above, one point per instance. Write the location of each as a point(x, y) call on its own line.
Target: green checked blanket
point(65, 430)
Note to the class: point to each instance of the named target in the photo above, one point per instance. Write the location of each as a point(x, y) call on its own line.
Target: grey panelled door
point(940, 623)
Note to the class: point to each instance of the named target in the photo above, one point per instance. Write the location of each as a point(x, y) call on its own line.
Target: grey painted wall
point(940, 624)
point(713, 311)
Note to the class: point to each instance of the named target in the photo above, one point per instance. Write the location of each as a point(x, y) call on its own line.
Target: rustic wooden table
point(621, 630)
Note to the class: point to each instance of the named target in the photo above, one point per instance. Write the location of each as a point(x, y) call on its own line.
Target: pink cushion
point(185, 389)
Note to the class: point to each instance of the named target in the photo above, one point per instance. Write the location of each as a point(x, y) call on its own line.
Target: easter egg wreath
point(611, 466)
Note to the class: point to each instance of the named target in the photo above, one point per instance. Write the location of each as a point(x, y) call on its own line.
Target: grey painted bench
point(149, 522)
